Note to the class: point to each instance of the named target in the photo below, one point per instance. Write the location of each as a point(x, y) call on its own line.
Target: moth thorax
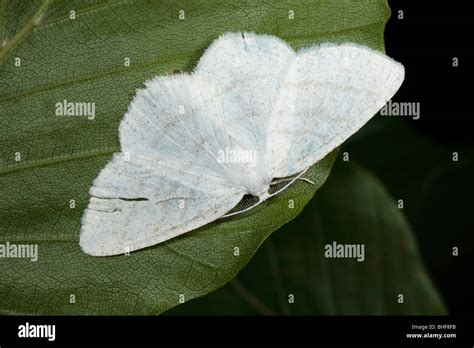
point(264, 195)
point(260, 191)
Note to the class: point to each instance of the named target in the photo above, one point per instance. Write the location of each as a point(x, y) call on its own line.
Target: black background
point(425, 41)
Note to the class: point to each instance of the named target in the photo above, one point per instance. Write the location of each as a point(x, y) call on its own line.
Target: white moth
point(253, 110)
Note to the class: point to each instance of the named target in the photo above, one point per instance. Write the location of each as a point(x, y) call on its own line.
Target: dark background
point(425, 41)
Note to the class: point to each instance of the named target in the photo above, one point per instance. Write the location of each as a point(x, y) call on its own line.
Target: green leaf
point(352, 208)
point(47, 162)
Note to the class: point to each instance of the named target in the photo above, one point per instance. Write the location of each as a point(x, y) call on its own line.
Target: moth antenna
point(307, 180)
